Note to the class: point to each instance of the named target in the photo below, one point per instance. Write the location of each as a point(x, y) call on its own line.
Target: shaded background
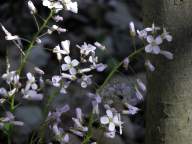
point(106, 21)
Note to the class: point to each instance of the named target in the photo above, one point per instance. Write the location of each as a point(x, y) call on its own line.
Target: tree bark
point(169, 99)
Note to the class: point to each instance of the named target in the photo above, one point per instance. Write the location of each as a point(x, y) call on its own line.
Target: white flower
point(32, 95)
point(99, 45)
point(95, 102)
point(153, 46)
point(167, 54)
point(70, 65)
point(11, 77)
point(152, 29)
point(56, 81)
point(86, 49)
point(10, 118)
point(141, 85)
point(142, 34)
point(138, 94)
point(31, 82)
point(56, 28)
point(32, 8)
point(126, 62)
point(71, 6)
point(68, 76)
point(110, 120)
point(57, 6)
point(110, 134)
point(78, 122)
point(93, 59)
point(39, 71)
point(131, 109)
point(9, 36)
point(58, 18)
point(166, 35)
point(132, 29)
point(101, 67)
point(3, 92)
point(59, 133)
point(65, 45)
point(149, 65)
point(86, 80)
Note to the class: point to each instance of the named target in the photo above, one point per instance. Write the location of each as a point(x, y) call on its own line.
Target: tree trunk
point(169, 100)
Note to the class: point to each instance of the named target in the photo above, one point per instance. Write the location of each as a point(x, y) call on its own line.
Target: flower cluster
point(59, 5)
point(55, 118)
point(29, 86)
point(113, 120)
point(73, 69)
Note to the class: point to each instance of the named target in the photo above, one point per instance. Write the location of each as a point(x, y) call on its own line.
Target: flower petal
point(64, 67)
point(109, 113)
point(65, 45)
point(158, 40)
point(116, 120)
point(148, 48)
point(104, 120)
point(72, 71)
point(75, 63)
point(67, 59)
point(150, 39)
point(156, 49)
point(111, 127)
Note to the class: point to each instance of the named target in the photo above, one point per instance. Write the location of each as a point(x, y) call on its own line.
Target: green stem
point(89, 134)
point(116, 68)
point(31, 45)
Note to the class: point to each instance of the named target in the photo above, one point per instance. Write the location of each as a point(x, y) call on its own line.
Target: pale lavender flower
point(70, 6)
point(39, 71)
point(78, 121)
point(56, 28)
point(111, 120)
point(101, 67)
point(11, 77)
point(167, 54)
point(69, 76)
point(149, 65)
point(141, 85)
point(153, 46)
point(95, 102)
point(126, 62)
point(56, 81)
point(58, 18)
point(70, 65)
point(31, 6)
point(32, 95)
point(132, 110)
point(63, 50)
point(166, 35)
point(132, 29)
point(86, 81)
point(10, 118)
point(152, 29)
point(110, 134)
point(60, 135)
point(9, 36)
point(99, 45)
point(54, 5)
point(142, 34)
point(86, 49)
point(138, 94)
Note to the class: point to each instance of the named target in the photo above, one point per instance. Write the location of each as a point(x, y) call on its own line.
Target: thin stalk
point(116, 68)
point(89, 134)
point(31, 45)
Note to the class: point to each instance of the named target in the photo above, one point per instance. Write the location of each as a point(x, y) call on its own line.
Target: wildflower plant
point(29, 86)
